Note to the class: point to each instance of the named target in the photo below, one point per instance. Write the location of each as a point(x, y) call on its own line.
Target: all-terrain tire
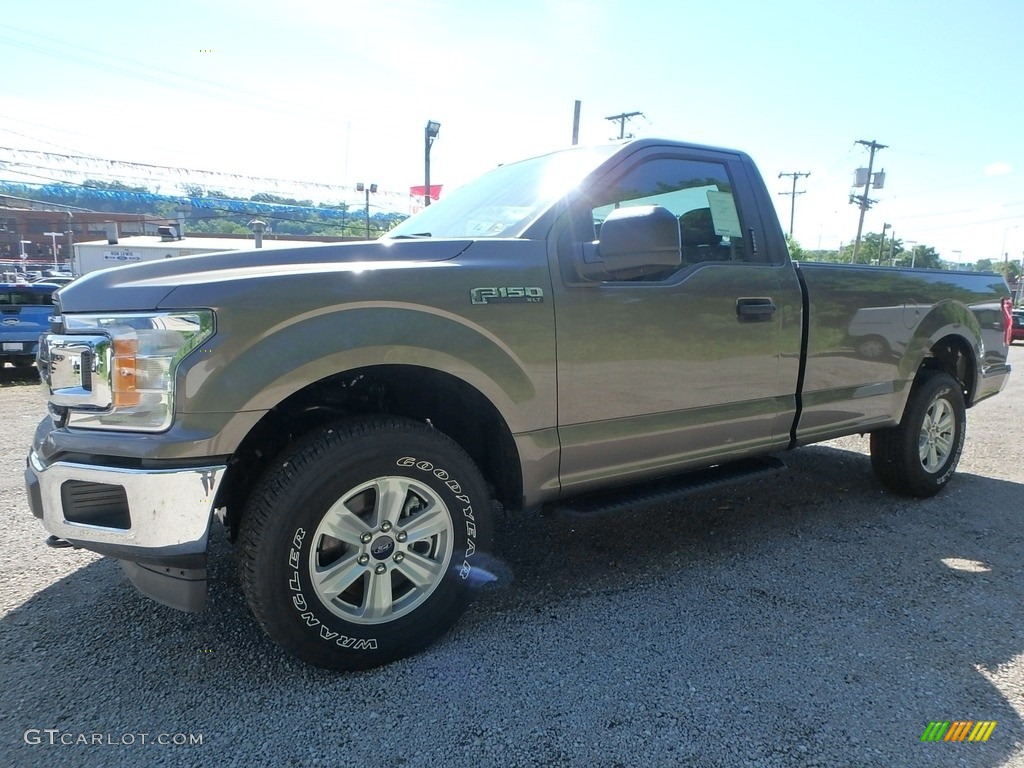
point(359, 546)
point(919, 456)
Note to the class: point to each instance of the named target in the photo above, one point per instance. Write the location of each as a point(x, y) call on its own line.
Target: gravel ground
point(811, 620)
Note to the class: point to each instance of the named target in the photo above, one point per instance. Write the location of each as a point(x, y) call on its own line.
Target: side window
point(698, 193)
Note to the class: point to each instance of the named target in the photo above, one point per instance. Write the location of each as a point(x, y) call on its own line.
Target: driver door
point(666, 371)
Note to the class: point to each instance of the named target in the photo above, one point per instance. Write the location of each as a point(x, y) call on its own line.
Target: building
point(31, 231)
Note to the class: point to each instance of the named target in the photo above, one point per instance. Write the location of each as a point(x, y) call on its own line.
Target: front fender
point(258, 372)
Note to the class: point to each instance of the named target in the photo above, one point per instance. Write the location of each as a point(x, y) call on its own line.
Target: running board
point(602, 503)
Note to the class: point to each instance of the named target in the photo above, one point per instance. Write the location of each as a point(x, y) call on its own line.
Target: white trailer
point(103, 254)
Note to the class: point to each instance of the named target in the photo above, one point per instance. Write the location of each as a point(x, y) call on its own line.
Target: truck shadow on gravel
point(809, 620)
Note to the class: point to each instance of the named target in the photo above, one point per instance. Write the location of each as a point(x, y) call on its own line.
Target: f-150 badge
point(506, 295)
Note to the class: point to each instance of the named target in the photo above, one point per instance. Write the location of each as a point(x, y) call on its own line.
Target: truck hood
point(142, 287)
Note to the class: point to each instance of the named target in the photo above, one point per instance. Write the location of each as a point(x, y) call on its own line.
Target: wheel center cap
point(382, 547)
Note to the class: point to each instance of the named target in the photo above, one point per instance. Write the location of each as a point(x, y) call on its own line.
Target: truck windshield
point(503, 202)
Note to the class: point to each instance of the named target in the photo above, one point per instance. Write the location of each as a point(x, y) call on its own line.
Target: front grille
point(95, 504)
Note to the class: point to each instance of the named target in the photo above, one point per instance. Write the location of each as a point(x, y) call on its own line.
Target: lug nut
point(380, 569)
point(366, 538)
point(401, 537)
point(399, 557)
point(385, 526)
point(363, 559)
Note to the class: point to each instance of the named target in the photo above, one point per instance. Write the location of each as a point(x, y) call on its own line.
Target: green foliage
point(796, 253)
point(922, 256)
point(1010, 270)
point(110, 186)
point(220, 214)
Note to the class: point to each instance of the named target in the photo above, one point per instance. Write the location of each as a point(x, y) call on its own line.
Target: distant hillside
point(211, 211)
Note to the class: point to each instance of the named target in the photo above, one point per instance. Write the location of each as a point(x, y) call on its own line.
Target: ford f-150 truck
point(25, 310)
point(575, 333)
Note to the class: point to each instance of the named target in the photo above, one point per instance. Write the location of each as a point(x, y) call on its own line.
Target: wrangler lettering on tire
point(357, 545)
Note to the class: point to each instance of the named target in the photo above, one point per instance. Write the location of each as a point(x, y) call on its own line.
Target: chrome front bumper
point(156, 522)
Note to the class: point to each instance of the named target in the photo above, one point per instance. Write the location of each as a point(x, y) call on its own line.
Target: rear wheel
point(873, 348)
point(918, 457)
point(357, 548)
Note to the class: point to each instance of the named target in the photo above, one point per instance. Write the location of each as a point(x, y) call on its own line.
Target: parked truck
point(25, 310)
point(571, 334)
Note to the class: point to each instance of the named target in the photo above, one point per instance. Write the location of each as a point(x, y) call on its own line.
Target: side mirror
point(633, 241)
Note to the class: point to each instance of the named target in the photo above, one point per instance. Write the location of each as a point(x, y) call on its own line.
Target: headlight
point(116, 371)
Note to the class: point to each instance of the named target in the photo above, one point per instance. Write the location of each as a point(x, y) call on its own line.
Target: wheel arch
point(956, 356)
point(446, 402)
point(948, 338)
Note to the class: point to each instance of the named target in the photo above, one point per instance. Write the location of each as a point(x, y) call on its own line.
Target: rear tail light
point(1007, 321)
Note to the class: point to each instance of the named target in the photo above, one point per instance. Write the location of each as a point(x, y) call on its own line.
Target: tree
point(922, 257)
point(1010, 270)
point(796, 253)
point(869, 249)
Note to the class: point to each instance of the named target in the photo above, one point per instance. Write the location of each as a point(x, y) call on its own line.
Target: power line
point(149, 73)
point(27, 162)
point(94, 161)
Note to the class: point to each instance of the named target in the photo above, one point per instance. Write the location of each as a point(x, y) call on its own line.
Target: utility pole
point(865, 203)
point(622, 118)
point(576, 123)
point(792, 202)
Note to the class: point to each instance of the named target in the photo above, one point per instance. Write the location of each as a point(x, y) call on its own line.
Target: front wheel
point(918, 457)
point(358, 547)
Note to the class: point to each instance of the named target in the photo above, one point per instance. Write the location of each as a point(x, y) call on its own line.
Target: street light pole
point(913, 251)
point(53, 239)
point(429, 134)
point(368, 188)
point(881, 243)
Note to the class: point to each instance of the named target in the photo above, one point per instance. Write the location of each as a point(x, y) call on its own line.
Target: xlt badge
point(506, 295)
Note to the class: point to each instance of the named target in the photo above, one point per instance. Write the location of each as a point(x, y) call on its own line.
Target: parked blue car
point(25, 310)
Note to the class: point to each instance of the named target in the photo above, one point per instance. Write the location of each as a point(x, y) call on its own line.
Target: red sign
point(435, 191)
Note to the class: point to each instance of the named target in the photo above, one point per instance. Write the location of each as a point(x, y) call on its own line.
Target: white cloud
point(998, 169)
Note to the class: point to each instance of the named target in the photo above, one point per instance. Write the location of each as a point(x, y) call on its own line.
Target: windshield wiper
point(409, 237)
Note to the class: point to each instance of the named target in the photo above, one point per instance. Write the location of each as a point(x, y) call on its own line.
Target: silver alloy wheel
point(937, 434)
point(381, 550)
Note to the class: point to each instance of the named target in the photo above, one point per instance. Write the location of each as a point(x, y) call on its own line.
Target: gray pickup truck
point(580, 332)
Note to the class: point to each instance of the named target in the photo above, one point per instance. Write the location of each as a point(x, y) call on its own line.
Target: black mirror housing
point(633, 241)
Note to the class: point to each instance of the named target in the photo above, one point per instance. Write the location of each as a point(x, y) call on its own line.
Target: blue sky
point(338, 91)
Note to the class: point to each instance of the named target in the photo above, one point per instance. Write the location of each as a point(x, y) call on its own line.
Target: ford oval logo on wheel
point(382, 548)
